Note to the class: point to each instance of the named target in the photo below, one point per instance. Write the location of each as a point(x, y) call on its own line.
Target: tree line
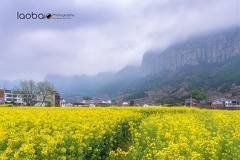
point(29, 89)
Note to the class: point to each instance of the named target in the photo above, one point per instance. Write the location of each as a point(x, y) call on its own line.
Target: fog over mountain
point(103, 36)
point(209, 62)
point(103, 84)
point(208, 48)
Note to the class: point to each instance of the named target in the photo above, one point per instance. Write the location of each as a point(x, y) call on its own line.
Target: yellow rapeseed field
point(119, 133)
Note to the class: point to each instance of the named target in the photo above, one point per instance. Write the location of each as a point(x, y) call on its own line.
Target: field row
point(192, 134)
point(119, 133)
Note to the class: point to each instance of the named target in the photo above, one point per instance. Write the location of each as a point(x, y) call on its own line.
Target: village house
point(231, 102)
point(154, 95)
point(225, 102)
point(217, 104)
point(62, 102)
point(191, 102)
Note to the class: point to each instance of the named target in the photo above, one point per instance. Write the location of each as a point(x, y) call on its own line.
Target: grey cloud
point(103, 36)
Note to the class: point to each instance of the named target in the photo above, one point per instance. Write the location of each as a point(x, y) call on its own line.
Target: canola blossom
point(119, 133)
point(187, 134)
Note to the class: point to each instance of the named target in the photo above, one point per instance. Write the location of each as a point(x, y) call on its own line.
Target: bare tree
point(28, 90)
point(45, 91)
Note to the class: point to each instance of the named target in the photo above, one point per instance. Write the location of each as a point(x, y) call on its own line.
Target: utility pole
point(191, 102)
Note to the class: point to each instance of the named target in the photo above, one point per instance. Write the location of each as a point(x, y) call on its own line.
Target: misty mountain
point(102, 84)
point(209, 63)
point(8, 84)
point(217, 77)
point(121, 80)
point(72, 86)
point(209, 48)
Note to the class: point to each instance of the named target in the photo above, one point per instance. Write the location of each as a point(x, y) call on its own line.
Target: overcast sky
point(103, 35)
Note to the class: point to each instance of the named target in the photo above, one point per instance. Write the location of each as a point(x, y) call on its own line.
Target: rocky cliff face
point(208, 49)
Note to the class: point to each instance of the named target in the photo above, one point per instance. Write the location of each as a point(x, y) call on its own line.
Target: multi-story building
point(13, 98)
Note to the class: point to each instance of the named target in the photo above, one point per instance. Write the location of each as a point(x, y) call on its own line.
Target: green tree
point(132, 103)
point(197, 94)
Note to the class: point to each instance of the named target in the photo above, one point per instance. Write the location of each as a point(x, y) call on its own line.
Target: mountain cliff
point(218, 47)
